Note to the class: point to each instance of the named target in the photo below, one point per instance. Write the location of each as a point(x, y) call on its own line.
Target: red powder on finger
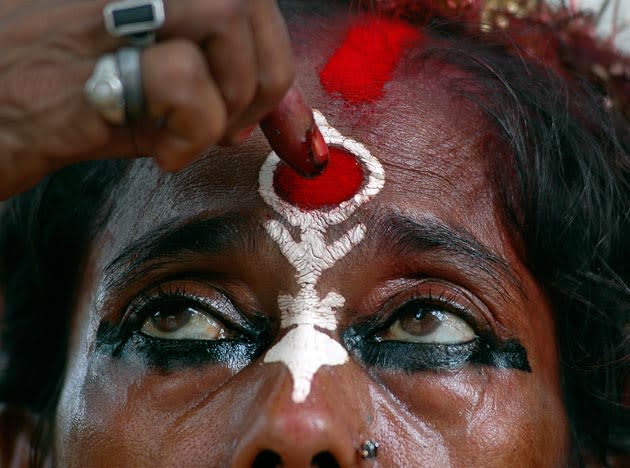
point(359, 69)
point(340, 181)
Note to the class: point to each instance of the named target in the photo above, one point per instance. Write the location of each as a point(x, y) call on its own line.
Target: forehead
point(431, 143)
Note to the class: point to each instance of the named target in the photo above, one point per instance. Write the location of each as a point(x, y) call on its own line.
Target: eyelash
point(141, 309)
point(444, 301)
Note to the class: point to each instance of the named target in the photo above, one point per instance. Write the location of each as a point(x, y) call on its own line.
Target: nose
point(319, 432)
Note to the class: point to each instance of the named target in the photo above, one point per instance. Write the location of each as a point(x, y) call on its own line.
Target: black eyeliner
point(411, 357)
point(175, 354)
point(169, 355)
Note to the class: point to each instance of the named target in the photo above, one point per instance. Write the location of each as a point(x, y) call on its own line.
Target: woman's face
point(213, 327)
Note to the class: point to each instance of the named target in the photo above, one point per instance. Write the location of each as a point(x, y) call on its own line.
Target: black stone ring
point(137, 20)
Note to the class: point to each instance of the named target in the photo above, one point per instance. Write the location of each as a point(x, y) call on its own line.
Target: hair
point(565, 192)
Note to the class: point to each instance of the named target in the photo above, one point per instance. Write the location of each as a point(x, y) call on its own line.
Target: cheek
point(122, 415)
point(480, 417)
point(473, 417)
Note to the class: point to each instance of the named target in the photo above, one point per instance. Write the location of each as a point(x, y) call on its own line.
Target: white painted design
point(306, 347)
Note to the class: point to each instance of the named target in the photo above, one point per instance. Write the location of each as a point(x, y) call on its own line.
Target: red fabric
point(359, 69)
point(342, 178)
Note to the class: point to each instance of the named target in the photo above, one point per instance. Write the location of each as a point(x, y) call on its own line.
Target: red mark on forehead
point(359, 69)
point(340, 181)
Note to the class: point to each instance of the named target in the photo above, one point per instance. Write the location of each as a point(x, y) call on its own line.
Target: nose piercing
point(368, 449)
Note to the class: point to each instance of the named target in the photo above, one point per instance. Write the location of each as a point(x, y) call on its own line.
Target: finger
point(179, 91)
point(275, 66)
point(78, 25)
point(232, 62)
point(188, 19)
point(294, 136)
point(199, 19)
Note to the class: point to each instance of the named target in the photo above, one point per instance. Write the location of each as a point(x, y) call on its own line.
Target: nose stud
point(368, 449)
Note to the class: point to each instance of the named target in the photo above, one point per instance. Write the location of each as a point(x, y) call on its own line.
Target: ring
point(128, 60)
point(104, 90)
point(115, 87)
point(137, 20)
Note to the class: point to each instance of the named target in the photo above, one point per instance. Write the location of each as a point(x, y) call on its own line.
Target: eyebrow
point(409, 235)
point(209, 236)
point(237, 231)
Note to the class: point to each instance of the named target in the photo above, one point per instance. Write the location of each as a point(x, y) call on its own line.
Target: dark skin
point(123, 409)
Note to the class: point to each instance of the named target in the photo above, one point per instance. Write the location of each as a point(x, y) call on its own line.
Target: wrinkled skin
point(119, 411)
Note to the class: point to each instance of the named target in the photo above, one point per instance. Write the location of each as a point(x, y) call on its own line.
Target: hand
point(218, 67)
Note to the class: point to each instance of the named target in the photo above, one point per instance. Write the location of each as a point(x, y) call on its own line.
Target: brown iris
point(179, 321)
point(419, 320)
point(170, 319)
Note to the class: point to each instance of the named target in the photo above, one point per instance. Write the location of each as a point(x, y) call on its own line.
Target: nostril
point(324, 460)
point(267, 459)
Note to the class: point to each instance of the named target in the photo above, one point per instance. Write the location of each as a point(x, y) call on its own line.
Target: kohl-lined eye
point(435, 325)
point(421, 322)
point(186, 323)
point(178, 320)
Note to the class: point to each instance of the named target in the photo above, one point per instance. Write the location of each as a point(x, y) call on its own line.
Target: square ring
point(133, 17)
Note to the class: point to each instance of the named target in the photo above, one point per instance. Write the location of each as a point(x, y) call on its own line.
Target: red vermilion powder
point(359, 69)
point(342, 178)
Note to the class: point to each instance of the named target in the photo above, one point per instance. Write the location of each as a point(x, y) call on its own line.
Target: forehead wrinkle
point(414, 142)
point(404, 177)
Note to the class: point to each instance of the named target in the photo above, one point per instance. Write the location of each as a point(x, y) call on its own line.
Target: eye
point(187, 323)
point(180, 320)
point(421, 322)
point(434, 326)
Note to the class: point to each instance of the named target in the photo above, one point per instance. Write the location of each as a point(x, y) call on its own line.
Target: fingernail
point(318, 149)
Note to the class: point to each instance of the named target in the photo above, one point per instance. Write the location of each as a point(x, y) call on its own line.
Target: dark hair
point(44, 234)
point(565, 192)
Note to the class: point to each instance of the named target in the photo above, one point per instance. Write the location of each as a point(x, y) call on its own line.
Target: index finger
point(293, 134)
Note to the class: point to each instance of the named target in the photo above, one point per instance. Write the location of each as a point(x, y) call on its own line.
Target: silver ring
point(128, 59)
point(137, 20)
point(104, 90)
point(115, 87)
